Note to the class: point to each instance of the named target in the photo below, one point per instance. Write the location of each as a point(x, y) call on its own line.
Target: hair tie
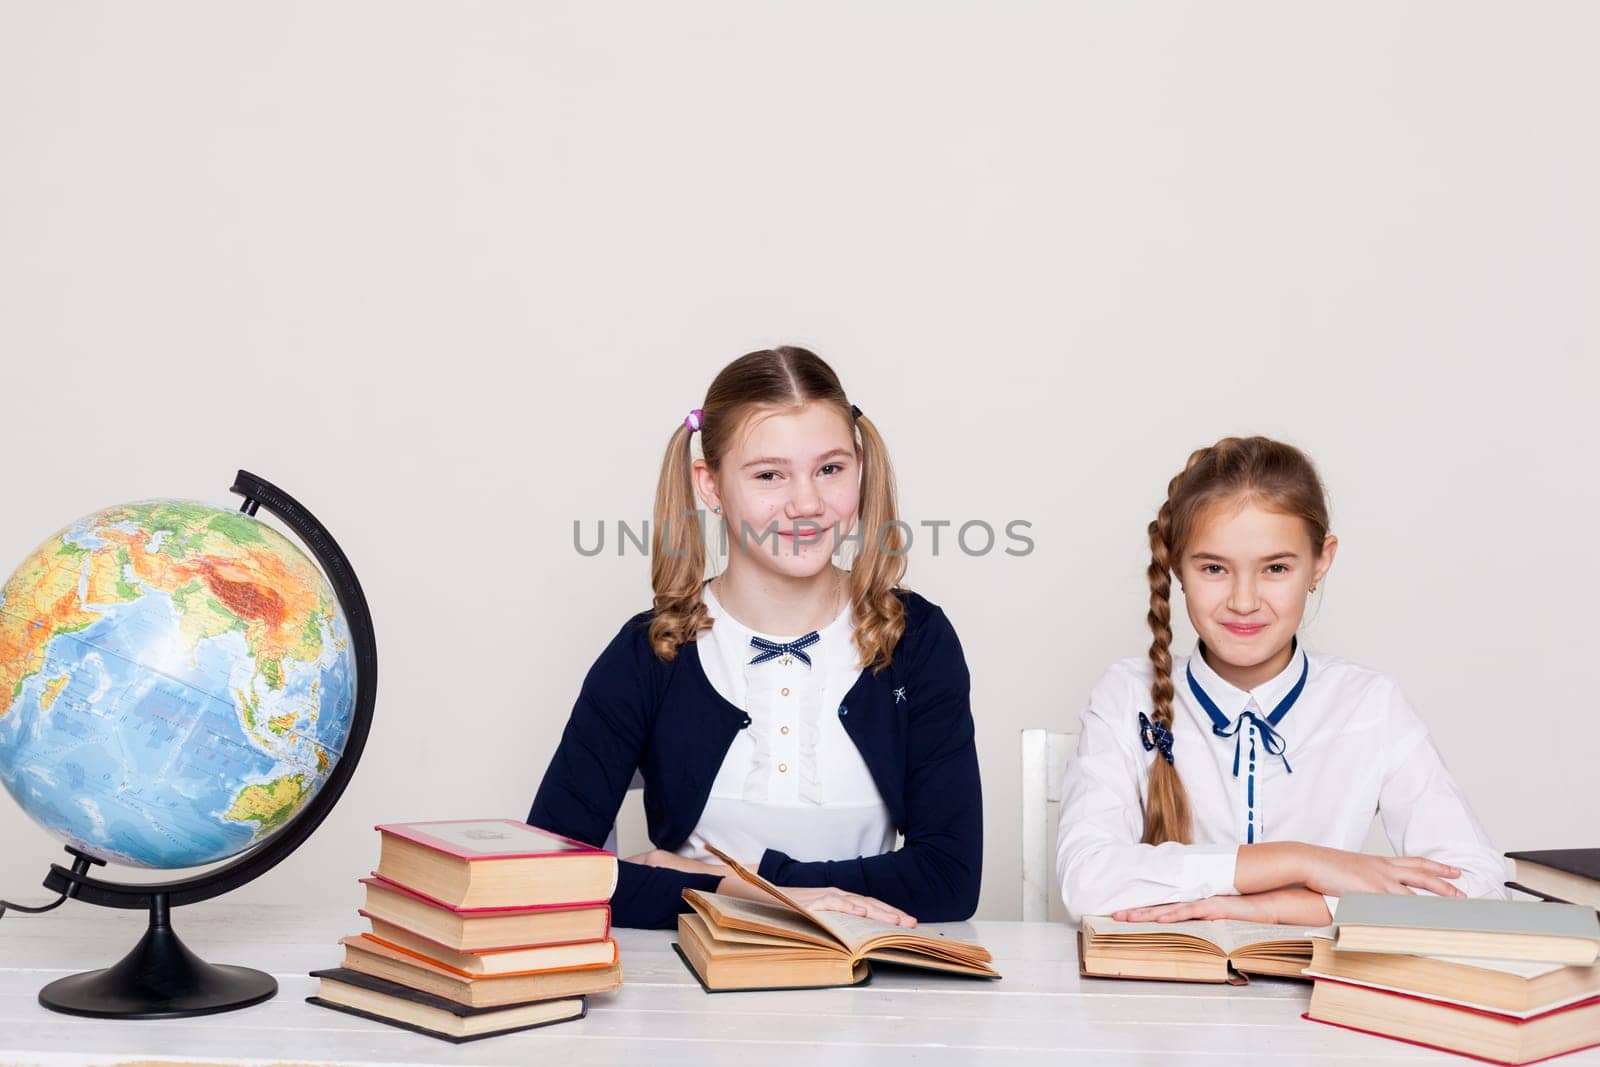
point(855, 412)
point(693, 421)
point(1153, 735)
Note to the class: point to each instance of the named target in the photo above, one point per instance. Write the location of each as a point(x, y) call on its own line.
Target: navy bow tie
point(772, 649)
point(1270, 738)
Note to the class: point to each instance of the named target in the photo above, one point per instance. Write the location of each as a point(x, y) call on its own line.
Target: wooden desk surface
point(1041, 1012)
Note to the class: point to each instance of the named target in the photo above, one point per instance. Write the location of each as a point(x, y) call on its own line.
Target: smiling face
point(788, 488)
point(1246, 571)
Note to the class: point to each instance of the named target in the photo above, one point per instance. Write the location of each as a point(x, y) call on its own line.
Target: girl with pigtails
point(793, 714)
point(1240, 781)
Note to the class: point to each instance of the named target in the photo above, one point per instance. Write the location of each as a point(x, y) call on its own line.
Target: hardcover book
point(373, 957)
point(389, 1002)
point(485, 929)
point(533, 960)
point(1486, 1035)
point(733, 943)
point(1564, 875)
point(1215, 950)
point(1454, 926)
point(494, 863)
point(1509, 987)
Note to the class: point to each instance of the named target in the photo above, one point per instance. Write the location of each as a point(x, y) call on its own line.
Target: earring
point(716, 509)
point(1313, 589)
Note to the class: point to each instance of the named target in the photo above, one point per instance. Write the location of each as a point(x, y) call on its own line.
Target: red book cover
point(365, 914)
point(478, 977)
point(1436, 1002)
point(489, 839)
point(1512, 1019)
point(381, 882)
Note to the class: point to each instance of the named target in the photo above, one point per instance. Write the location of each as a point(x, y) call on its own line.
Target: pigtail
point(678, 552)
point(881, 561)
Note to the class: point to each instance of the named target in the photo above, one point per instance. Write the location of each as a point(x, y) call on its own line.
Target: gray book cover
point(1475, 916)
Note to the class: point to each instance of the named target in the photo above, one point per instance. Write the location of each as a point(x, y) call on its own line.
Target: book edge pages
point(858, 948)
point(1438, 998)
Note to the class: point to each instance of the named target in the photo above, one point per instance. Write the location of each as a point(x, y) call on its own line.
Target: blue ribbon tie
point(1270, 738)
point(772, 649)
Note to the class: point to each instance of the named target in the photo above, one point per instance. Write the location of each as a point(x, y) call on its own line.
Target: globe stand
point(159, 979)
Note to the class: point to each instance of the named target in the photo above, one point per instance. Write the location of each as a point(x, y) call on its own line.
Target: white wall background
point(451, 273)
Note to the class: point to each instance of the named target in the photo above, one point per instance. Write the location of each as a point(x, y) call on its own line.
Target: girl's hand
point(816, 898)
point(821, 898)
point(1290, 907)
point(826, 898)
point(1336, 872)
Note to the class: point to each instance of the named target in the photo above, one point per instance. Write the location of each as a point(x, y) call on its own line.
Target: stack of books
point(477, 928)
point(1562, 875)
point(1505, 981)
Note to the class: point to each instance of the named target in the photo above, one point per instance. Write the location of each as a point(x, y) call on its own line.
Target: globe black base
point(159, 979)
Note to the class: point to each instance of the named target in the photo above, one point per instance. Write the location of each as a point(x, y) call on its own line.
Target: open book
point(733, 943)
point(1217, 950)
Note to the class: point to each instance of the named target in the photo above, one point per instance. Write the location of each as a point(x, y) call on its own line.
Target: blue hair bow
point(1153, 736)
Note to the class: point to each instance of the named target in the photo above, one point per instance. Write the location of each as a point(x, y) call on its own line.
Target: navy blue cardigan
point(912, 723)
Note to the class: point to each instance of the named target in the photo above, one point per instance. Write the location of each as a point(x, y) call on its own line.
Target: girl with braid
point(1240, 781)
point(793, 714)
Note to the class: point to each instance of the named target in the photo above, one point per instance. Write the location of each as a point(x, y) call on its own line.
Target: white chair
point(1044, 761)
point(637, 785)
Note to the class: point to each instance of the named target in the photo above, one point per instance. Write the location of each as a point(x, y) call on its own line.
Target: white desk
point(1041, 1012)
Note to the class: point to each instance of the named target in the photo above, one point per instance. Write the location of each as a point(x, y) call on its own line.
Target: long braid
point(1166, 812)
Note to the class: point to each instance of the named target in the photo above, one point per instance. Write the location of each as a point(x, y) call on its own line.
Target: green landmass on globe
point(176, 683)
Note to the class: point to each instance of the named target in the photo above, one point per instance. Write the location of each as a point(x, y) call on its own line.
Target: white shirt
point(792, 780)
point(1355, 746)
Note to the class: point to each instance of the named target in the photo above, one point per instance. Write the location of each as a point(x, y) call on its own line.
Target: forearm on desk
point(1272, 865)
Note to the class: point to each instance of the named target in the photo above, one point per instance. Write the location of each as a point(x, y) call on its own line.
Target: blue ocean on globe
point(176, 683)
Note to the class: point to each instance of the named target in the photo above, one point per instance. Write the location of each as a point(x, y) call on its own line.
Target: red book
point(485, 929)
point(494, 863)
point(536, 960)
point(1472, 1032)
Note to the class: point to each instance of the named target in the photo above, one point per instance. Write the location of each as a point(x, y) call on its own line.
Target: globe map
point(176, 683)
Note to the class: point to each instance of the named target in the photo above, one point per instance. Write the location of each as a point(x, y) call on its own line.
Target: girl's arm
point(1100, 863)
point(1103, 870)
point(1287, 907)
point(935, 874)
point(589, 774)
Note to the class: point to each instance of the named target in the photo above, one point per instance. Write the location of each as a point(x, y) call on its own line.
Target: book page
point(759, 917)
point(731, 934)
point(1520, 968)
point(856, 932)
point(761, 883)
point(1228, 935)
point(933, 963)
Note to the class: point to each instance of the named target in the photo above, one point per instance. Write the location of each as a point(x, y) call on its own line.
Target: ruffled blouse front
point(792, 780)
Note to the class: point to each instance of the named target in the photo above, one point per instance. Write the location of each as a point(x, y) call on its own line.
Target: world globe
point(176, 683)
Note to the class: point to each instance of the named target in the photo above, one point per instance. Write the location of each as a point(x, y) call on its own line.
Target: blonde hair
point(784, 377)
point(1235, 469)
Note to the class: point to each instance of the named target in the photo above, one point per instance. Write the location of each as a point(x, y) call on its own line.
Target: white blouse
point(792, 780)
point(1352, 747)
